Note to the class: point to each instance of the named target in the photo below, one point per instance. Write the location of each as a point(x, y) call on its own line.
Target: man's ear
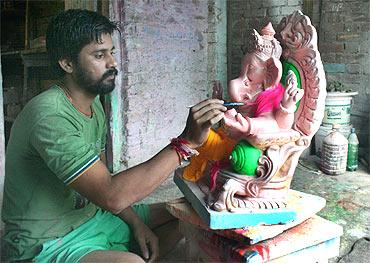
point(66, 64)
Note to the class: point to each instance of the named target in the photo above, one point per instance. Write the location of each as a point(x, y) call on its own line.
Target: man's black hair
point(71, 30)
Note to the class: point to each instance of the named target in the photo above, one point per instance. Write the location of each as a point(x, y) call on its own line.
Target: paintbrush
point(226, 104)
point(233, 104)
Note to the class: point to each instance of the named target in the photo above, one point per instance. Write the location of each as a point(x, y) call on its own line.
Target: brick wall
point(344, 45)
point(244, 16)
point(165, 68)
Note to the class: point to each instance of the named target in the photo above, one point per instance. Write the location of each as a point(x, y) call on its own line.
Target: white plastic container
point(324, 131)
point(334, 152)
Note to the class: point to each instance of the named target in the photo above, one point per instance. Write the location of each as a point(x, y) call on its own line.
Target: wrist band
point(184, 152)
point(291, 110)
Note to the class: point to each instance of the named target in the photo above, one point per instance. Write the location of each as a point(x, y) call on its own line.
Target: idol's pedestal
point(293, 234)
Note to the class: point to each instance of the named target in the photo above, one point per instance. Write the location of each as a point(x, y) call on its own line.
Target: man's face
point(96, 70)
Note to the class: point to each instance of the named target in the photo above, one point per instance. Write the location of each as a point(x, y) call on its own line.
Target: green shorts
point(104, 231)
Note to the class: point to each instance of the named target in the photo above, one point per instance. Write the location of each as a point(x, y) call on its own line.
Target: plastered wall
point(165, 67)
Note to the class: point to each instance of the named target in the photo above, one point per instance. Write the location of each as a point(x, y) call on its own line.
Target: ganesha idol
point(248, 163)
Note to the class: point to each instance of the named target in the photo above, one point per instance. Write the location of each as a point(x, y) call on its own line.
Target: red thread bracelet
point(180, 145)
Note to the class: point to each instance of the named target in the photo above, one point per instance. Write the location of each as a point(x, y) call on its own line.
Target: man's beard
point(102, 86)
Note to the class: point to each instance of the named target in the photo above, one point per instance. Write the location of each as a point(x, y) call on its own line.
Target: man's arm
point(115, 193)
point(146, 239)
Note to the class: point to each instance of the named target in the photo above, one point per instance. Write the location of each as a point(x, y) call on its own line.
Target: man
point(60, 202)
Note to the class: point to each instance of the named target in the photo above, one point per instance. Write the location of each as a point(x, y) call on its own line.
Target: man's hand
point(201, 118)
point(147, 240)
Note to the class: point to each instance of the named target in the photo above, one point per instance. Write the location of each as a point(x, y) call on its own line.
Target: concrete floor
point(348, 204)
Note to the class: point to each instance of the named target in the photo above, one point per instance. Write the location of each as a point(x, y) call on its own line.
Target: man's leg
point(165, 226)
point(111, 256)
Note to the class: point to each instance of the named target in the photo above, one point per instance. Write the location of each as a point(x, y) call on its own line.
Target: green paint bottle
point(352, 160)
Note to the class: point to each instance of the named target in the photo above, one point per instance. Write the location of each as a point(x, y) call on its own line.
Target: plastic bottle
point(352, 160)
point(334, 153)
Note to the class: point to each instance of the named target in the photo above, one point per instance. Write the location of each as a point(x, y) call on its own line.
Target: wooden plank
point(316, 239)
point(319, 253)
point(226, 220)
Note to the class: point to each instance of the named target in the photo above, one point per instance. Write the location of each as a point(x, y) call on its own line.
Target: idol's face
point(249, 84)
point(96, 68)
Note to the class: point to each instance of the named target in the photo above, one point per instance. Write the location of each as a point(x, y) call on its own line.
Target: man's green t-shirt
point(51, 144)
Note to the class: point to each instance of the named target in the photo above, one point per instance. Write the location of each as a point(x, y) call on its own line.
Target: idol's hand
point(292, 93)
point(235, 124)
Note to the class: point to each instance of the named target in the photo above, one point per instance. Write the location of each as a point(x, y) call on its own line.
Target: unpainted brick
point(328, 37)
point(260, 12)
point(239, 5)
point(294, 3)
point(287, 10)
point(331, 47)
point(273, 3)
point(351, 79)
point(352, 47)
point(328, 57)
point(348, 37)
point(274, 11)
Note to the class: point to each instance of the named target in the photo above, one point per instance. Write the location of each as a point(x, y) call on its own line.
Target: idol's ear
point(274, 70)
point(217, 90)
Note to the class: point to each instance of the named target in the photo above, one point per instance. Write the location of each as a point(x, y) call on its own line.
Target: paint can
point(333, 159)
point(338, 108)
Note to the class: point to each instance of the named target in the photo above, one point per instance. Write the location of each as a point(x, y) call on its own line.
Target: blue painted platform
point(304, 205)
